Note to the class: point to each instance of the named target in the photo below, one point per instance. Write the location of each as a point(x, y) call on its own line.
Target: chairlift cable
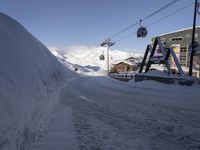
point(159, 10)
point(161, 19)
point(173, 13)
point(125, 29)
point(145, 18)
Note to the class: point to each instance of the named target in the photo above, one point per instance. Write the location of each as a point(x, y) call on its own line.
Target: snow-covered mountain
point(29, 77)
point(87, 60)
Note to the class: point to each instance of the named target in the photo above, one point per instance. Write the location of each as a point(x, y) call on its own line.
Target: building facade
point(128, 65)
point(180, 40)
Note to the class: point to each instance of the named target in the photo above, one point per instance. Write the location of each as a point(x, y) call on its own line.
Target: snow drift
point(29, 77)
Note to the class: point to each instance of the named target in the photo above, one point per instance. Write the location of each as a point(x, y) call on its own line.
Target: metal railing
point(123, 75)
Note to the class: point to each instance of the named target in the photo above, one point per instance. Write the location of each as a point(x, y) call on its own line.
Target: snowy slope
point(29, 77)
point(87, 58)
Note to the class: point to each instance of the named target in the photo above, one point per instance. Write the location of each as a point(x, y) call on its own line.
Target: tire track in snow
point(154, 133)
point(87, 111)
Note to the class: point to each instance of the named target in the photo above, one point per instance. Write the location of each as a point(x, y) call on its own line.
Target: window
point(183, 49)
point(163, 40)
point(182, 56)
point(177, 39)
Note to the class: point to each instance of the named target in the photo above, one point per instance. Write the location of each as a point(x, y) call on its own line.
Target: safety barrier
point(124, 76)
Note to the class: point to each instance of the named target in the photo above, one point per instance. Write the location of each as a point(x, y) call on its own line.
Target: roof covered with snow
point(179, 30)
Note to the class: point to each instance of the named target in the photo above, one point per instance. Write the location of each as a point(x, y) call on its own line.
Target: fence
point(123, 76)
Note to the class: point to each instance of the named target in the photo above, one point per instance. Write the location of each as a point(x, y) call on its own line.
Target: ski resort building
point(180, 41)
point(128, 65)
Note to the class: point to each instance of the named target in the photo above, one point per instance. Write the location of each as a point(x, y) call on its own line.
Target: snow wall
point(30, 77)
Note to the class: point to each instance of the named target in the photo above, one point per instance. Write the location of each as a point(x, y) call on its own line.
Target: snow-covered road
point(98, 113)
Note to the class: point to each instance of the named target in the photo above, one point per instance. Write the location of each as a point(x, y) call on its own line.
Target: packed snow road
point(98, 113)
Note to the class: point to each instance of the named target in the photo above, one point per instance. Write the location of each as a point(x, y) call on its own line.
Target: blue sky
point(61, 23)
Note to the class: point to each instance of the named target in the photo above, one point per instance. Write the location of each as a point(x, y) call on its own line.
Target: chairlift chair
point(142, 31)
point(102, 57)
point(76, 69)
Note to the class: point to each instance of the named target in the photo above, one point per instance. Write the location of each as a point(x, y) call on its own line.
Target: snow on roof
point(131, 61)
point(127, 62)
point(179, 30)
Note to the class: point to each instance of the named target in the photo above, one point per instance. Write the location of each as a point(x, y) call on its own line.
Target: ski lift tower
point(107, 43)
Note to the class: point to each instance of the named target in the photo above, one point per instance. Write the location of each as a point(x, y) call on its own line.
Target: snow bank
point(155, 85)
point(29, 77)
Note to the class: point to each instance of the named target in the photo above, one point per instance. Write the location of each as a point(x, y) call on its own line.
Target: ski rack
point(164, 59)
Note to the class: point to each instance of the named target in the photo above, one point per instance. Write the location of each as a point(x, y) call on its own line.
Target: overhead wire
point(159, 20)
point(171, 14)
point(145, 18)
point(159, 10)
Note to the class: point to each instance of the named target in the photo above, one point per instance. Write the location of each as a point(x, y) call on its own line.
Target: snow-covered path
point(98, 113)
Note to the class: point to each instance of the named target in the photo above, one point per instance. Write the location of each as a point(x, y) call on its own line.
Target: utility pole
point(107, 43)
point(108, 62)
point(193, 38)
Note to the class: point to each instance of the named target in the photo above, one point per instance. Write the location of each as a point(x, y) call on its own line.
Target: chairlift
point(142, 31)
point(102, 57)
point(76, 69)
